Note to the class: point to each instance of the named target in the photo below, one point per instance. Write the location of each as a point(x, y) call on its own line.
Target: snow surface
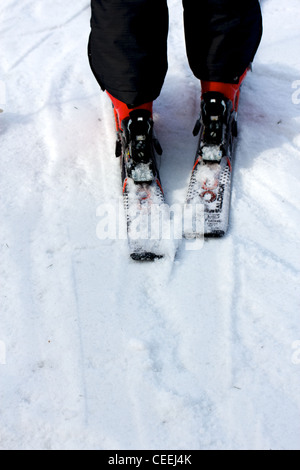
point(96, 351)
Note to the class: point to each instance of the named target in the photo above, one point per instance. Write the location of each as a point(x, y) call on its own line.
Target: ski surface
point(210, 187)
point(146, 214)
point(211, 181)
point(144, 203)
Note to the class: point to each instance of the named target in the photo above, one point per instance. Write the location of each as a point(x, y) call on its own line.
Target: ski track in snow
point(104, 353)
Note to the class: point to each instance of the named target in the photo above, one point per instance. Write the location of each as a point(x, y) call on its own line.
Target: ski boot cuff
point(122, 111)
point(229, 90)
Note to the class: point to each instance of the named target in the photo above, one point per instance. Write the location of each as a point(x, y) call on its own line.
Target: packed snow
point(100, 352)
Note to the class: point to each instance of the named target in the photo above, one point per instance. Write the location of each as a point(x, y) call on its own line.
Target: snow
point(96, 351)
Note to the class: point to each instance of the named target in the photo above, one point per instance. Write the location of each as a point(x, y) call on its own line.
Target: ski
point(210, 183)
point(143, 195)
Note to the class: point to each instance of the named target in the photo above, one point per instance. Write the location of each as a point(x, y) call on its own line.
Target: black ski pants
point(128, 43)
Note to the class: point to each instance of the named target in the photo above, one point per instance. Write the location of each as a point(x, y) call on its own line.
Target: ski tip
point(145, 256)
point(215, 234)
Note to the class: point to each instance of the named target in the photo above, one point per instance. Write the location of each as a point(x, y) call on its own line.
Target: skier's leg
point(222, 37)
point(128, 48)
